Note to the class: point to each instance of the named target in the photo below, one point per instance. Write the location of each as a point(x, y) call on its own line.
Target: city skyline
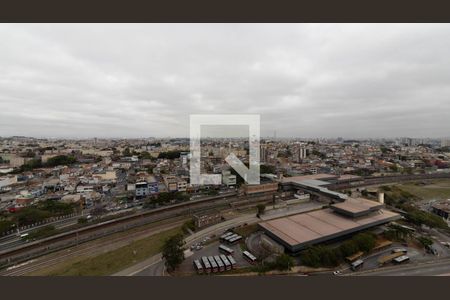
point(305, 80)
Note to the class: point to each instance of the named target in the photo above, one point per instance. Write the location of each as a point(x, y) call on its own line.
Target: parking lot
point(211, 249)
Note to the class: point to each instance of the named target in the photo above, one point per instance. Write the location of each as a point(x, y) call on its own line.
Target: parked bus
point(214, 266)
point(206, 264)
point(235, 240)
point(198, 266)
point(401, 259)
point(229, 237)
point(357, 264)
point(249, 257)
point(219, 263)
point(226, 262)
point(225, 249)
point(226, 234)
point(232, 261)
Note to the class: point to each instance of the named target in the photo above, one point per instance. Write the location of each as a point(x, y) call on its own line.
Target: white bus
point(219, 263)
point(357, 264)
point(198, 266)
point(226, 262)
point(226, 234)
point(212, 262)
point(232, 261)
point(249, 257)
point(225, 249)
point(206, 264)
point(235, 240)
point(401, 259)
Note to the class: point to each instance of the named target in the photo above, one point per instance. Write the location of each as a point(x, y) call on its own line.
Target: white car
point(337, 272)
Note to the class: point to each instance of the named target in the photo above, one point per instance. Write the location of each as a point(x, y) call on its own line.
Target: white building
point(228, 178)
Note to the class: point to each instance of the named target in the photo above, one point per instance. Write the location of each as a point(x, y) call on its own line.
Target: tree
point(261, 209)
point(188, 226)
point(30, 215)
point(426, 242)
point(126, 152)
point(82, 220)
point(145, 155)
point(42, 232)
point(169, 155)
point(56, 208)
point(365, 241)
point(267, 169)
point(349, 248)
point(173, 251)
point(5, 225)
point(60, 160)
point(284, 262)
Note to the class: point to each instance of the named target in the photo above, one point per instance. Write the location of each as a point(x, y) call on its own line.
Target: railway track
point(61, 241)
point(86, 250)
point(75, 237)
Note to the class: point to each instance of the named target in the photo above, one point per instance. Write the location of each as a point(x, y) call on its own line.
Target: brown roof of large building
point(357, 205)
point(320, 224)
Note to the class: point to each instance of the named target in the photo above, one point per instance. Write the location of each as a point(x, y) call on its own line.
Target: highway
point(434, 268)
point(14, 240)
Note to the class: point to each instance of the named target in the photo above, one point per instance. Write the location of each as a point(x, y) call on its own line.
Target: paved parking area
point(211, 249)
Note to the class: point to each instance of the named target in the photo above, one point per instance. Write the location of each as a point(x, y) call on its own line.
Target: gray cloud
point(351, 80)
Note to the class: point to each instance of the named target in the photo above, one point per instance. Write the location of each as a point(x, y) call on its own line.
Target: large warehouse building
point(297, 232)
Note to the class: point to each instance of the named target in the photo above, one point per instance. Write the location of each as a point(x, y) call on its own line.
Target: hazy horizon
point(356, 81)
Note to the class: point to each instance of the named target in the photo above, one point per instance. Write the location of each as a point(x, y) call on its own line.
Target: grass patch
point(430, 190)
point(111, 262)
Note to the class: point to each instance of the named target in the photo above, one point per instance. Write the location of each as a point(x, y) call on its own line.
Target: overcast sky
point(304, 80)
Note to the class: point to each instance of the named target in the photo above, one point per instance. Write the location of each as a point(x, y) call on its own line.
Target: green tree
point(426, 242)
point(284, 262)
point(145, 155)
point(188, 225)
point(365, 241)
point(30, 165)
point(173, 251)
point(348, 248)
point(267, 169)
point(82, 220)
point(56, 208)
point(42, 232)
point(30, 215)
point(5, 225)
point(169, 155)
point(60, 160)
point(419, 217)
point(126, 152)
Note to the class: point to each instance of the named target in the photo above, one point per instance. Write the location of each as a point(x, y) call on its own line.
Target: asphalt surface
point(155, 267)
point(14, 240)
point(437, 268)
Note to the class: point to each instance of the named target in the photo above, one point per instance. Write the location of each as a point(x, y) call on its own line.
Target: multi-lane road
point(15, 240)
point(432, 268)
